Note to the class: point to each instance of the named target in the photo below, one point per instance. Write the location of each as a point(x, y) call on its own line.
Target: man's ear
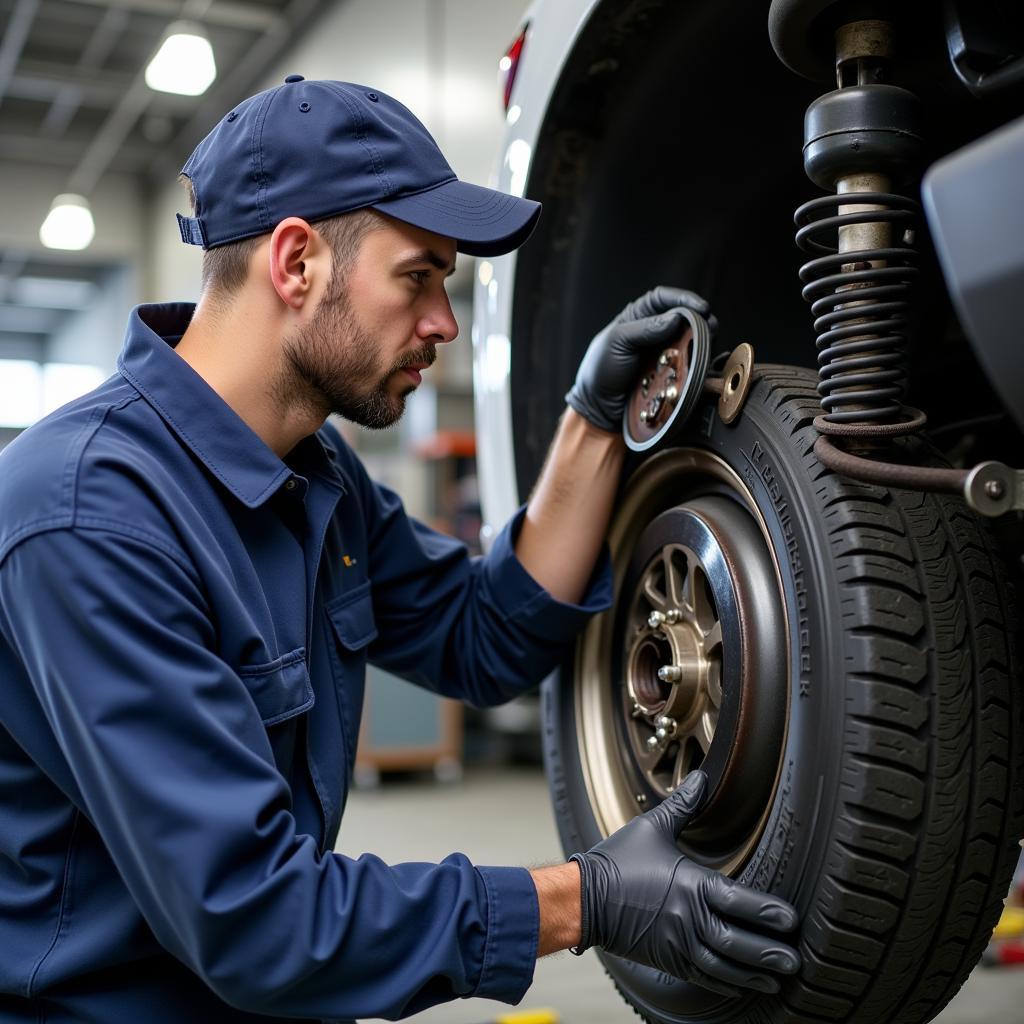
point(298, 259)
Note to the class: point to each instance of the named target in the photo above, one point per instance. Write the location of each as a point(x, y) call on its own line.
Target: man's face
point(377, 325)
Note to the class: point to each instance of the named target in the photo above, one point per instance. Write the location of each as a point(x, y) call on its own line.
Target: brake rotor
point(704, 677)
point(669, 388)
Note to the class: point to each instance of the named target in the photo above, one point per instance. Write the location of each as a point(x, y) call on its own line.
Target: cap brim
point(483, 221)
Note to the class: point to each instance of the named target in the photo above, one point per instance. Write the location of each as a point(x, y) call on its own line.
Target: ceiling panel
point(73, 97)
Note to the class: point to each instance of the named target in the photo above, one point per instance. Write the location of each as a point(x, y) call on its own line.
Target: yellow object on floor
point(1011, 924)
point(528, 1017)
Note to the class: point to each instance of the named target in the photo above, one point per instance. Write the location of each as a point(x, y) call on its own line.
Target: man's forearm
point(558, 896)
point(567, 516)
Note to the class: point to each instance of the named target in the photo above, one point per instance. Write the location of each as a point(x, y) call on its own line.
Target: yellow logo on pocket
point(349, 562)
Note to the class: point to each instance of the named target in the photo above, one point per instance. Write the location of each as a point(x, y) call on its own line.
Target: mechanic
point(194, 569)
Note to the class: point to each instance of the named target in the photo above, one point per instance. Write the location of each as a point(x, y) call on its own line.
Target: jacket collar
point(204, 422)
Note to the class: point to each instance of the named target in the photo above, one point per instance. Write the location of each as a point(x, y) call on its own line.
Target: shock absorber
point(861, 141)
point(863, 144)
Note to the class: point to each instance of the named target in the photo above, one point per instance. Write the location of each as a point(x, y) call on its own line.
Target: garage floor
point(503, 817)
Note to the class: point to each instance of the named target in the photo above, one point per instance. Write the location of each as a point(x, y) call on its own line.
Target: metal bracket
point(736, 378)
point(994, 489)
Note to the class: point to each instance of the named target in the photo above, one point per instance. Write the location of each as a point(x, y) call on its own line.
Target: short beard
point(331, 363)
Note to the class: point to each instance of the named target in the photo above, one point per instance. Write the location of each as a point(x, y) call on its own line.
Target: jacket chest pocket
point(280, 689)
point(352, 619)
point(354, 629)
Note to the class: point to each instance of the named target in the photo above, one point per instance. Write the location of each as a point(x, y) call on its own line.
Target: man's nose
point(439, 324)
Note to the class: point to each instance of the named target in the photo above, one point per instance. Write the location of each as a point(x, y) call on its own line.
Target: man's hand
point(644, 901)
point(613, 361)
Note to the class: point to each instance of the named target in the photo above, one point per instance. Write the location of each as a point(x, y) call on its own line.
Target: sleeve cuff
point(513, 923)
point(525, 601)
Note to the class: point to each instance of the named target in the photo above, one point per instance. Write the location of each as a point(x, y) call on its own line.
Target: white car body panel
point(553, 28)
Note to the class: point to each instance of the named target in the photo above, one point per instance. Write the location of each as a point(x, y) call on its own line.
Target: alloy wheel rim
point(689, 544)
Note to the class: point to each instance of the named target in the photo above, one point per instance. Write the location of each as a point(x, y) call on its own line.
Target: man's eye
point(420, 276)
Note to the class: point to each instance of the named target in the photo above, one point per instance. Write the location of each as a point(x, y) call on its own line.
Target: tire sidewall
point(763, 447)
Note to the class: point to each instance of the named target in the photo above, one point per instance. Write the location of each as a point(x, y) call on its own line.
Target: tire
point(892, 798)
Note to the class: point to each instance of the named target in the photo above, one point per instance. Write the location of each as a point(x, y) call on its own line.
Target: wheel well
point(671, 153)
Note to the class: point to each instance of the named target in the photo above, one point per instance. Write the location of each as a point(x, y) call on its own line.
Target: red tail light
point(509, 64)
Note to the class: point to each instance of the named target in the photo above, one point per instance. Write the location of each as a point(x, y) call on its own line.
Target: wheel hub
point(690, 670)
point(674, 664)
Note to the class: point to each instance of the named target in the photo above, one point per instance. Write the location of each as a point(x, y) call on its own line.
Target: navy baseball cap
point(315, 149)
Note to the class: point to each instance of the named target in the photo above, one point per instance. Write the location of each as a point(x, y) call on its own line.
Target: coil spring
point(861, 315)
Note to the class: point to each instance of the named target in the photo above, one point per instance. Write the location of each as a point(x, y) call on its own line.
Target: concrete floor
point(503, 817)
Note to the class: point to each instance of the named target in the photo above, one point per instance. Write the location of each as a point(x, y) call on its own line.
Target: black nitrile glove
point(614, 359)
point(644, 901)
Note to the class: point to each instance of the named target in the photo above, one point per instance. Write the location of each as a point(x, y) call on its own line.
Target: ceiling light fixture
point(184, 63)
point(69, 224)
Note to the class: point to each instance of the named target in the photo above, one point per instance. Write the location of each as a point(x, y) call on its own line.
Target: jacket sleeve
point(173, 767)
point(479, 629)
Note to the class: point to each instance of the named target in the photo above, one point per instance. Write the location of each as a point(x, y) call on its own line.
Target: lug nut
point(655, 620)
point(673, 615)
point(671, 394)
point(653, 743)
point(664, 722)
point(661, 734)
point(643, 415)
point(670, 673)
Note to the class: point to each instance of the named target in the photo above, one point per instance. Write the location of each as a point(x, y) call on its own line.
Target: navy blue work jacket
point(185, 620)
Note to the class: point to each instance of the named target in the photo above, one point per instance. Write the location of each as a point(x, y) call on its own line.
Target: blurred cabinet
point(406, 728)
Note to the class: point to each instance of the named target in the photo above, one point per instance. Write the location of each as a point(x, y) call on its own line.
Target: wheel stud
point(656, 619)
point(653, 743)
point(666, 723)
point(673, 615)
point(670, 673)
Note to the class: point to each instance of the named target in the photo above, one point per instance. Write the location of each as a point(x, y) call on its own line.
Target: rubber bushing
point(863, 129)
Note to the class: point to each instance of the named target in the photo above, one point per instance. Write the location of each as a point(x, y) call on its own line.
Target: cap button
point(295, 78)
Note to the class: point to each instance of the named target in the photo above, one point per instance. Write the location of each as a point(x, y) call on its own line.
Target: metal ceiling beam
point(66, 103)
point(14, 40)
point(138, 96)
point(110, 138)
point(44, 81)
point(220, 12)
point(36, 80)
point(65, 152)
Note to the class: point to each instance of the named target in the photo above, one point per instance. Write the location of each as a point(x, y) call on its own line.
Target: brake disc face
point(669, 388)
point(690, 668)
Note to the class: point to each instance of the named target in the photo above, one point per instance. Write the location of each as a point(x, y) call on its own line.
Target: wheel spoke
point(713, 637)
point(706, 729)
point(657, 599)
point(673, 578)
point(679, 770)
point(702, 611)
point(715, 683)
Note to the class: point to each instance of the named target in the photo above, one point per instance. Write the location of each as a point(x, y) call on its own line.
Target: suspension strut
point(861, 141)
point(863, 144)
